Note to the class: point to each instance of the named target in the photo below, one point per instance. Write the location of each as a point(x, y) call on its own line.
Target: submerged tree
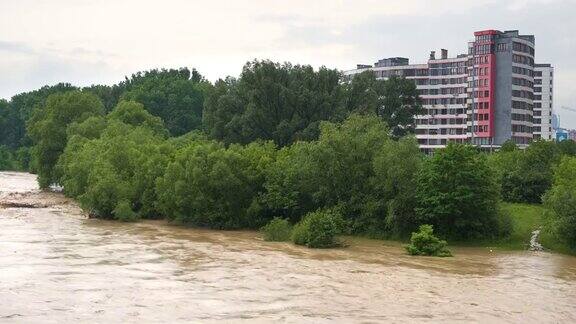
point(424, 242)
point(111, 164)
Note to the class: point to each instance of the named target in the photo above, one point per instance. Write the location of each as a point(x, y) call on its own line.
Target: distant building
point(543, 102)
point(494, 82)
point(442, 84)
point(555, 121)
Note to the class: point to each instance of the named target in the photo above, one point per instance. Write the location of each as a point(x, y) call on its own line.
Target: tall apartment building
point(543, 102)
point(494, 82)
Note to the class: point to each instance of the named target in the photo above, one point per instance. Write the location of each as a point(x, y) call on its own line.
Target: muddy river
point(58, 266)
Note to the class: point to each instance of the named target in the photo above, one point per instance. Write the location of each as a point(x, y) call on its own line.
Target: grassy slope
point(525, 219)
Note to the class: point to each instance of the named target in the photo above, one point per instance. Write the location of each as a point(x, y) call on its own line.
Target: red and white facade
point(493, 83)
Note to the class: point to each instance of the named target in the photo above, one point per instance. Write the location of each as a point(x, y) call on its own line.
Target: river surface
point(57, 266)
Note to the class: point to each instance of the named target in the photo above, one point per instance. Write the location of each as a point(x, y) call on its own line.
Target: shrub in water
point(277, 230)
point(123, 212)
point(424, 242)
point(318, 229)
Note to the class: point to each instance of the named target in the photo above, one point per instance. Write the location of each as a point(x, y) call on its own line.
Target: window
point(502, 47)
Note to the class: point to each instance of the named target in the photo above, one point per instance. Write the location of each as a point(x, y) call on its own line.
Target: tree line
point(281, 141)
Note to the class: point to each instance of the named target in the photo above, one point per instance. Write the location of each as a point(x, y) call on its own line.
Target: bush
point(209, 185)
point(424, 242)
point(561, 202)
point(318, 229)
point(123, 212)
point(6, 159)
point(278, 230)
point(525, 175)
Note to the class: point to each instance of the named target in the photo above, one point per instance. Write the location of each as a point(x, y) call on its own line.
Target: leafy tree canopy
point(273, 101)
point(561, 201)
point(48, 128)
point(458, 194)
point(395, 100)
point(176, 96)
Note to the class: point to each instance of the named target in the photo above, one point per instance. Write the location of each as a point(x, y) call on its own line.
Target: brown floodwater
point(58, 266)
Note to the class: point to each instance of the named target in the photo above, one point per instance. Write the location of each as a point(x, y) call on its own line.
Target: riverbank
point(58, 265)
point(525, 218)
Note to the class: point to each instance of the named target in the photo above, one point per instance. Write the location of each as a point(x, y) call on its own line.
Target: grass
point(552, 243)
point(525, 219)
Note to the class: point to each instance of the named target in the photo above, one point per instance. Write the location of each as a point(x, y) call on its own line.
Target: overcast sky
point(100, 41)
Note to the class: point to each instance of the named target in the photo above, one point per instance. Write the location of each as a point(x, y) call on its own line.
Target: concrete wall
point(503, 98)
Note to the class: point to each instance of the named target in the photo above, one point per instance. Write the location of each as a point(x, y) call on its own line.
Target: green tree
point(567, 147)
point(109, 95)
point(212, 186)
point(396, 169)
point(272, 101)
point(331, 171)
point(561, 201)
point(525, 175)
point(6, 120)
point(424, 242)
point(458, 194)
point(111, 164)
point(48, 128)
point(176, 96)
point(133, 113)
point(354, 166)
point(6, 159)
point(21, 108)
point(395, 100)
point(509, 146)
point(319, 229)
point(277, 230)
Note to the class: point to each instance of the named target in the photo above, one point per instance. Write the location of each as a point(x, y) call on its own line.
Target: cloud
point(24, 68)
point(14, 47)
point(413, 35)
point(90, 41)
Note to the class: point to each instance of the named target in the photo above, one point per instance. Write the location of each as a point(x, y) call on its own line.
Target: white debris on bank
point(534, 244)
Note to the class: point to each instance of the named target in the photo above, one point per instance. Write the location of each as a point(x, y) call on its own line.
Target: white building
point(490, 95)
point(543, 101)
point(441, 84)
